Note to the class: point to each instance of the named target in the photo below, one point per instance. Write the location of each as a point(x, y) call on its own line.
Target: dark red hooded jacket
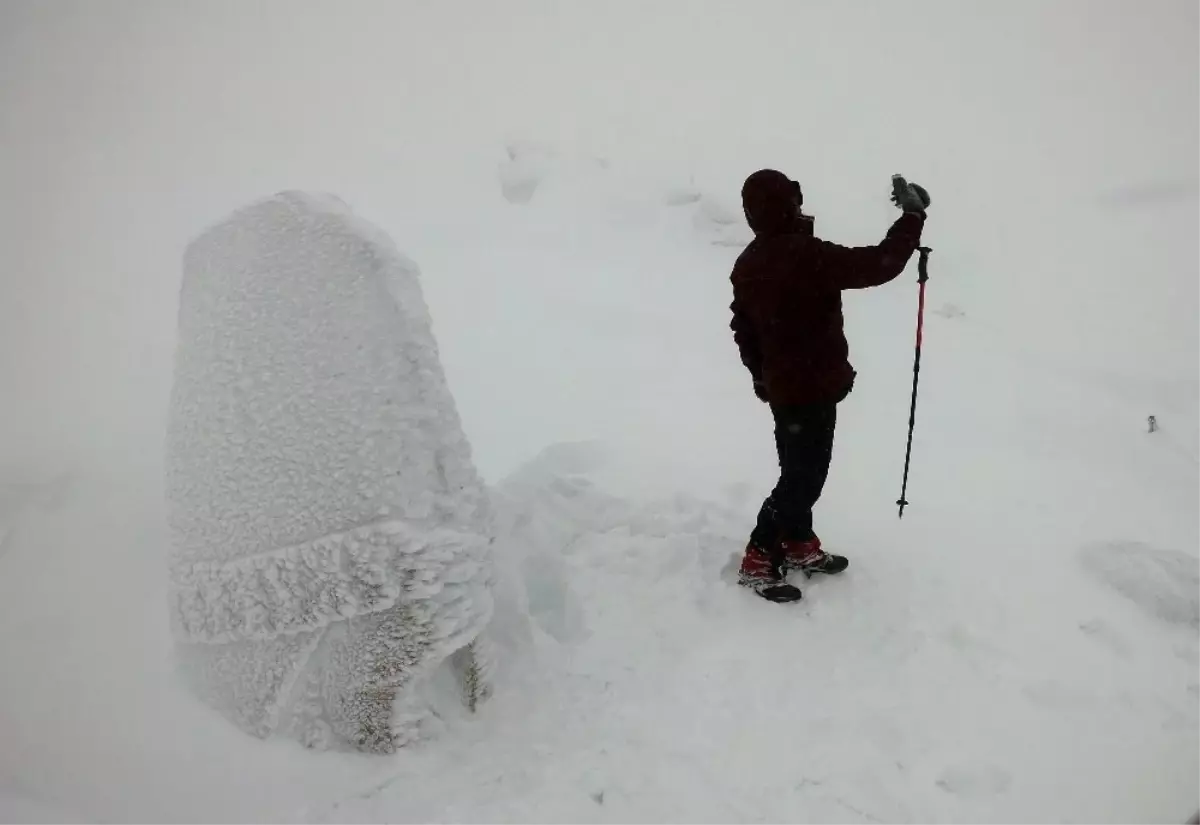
point(787, 293)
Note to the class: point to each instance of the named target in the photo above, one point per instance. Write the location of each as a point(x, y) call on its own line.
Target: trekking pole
point(922, 277)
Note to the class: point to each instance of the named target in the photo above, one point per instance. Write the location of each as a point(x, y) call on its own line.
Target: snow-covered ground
point(1023, 646)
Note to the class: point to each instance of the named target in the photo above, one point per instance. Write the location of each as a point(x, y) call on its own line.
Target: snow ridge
point(333, 578)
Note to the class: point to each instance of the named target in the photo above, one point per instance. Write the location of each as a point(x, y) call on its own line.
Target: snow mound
point(526, 165)
point(329, 530)
point(534, 170)
point(542, 509)
point(1163, 583)
point(711, 217)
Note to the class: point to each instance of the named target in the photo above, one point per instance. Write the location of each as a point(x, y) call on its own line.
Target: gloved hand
point(910, 197)
point(849, 388)
point(760, 390)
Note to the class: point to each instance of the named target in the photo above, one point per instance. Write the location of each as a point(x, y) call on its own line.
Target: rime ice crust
point(329, 531)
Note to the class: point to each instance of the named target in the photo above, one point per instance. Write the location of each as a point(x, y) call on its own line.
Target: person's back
point(787, 288)
point(797, 318)
point(788, 325)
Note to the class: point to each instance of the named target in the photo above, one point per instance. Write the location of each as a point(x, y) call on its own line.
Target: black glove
point(849, 388)
point(760, 390)
point(910, 197)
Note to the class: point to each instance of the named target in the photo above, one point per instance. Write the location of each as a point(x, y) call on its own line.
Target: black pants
point(804, 441)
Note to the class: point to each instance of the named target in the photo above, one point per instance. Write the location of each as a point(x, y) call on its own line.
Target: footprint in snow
point(975, 780)
point(1105, 634)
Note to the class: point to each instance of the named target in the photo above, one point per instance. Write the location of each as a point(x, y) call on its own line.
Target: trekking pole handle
point(923, 264)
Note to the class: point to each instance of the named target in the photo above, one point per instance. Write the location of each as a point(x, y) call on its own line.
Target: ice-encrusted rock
point(330, 535)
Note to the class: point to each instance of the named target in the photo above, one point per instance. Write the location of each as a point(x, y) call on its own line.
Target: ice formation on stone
point(330, 535)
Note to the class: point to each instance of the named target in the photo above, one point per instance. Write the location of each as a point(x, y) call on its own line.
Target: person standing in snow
point(787, 323)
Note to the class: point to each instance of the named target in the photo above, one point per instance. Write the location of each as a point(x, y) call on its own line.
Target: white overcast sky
point(126, 126)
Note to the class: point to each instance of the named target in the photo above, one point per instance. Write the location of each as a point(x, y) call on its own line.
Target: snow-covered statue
point(330, 545)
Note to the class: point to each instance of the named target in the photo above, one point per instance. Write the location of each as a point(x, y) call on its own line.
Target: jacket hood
point(771, 201)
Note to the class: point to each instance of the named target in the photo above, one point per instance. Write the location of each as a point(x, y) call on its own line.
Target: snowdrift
point(329, 531)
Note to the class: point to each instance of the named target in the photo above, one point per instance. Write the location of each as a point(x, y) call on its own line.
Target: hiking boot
point(809, 558)
point(764, 577)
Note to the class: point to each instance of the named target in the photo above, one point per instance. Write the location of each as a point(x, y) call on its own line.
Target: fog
point(1058, 141)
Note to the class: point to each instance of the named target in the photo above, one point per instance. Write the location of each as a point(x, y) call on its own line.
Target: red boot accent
point(808, 557)
point(799, 554)
point(764, 578)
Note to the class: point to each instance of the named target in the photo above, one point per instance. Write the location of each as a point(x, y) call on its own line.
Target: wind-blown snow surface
point(1011, 650)
point(1021, 646)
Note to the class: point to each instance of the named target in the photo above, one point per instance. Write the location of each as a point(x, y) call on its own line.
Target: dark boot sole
point(809, 572)
point(780, 593)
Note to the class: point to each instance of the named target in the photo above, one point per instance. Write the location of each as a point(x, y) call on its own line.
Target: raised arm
point(860, 267)
point(867, 266)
